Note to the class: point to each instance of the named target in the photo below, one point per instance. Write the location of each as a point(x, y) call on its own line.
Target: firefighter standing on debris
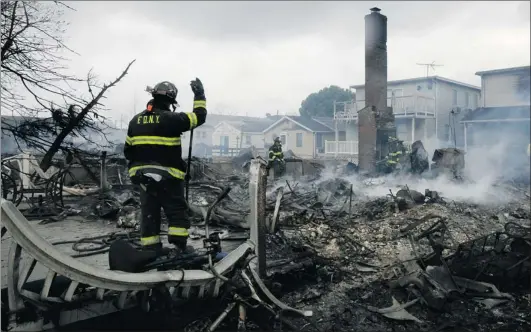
point(394, 157)
point(153, 149)
point(275, 152)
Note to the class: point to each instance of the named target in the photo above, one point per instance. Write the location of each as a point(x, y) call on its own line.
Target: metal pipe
point(187, 177)
point(221, 317)
point(211, 208)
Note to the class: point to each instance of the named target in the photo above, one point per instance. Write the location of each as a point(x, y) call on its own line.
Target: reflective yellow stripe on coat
point(153, 140)
point(193, 120)
point(200, 103)
point(176, 173)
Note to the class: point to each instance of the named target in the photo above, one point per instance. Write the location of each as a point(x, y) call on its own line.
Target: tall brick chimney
point(376, 120)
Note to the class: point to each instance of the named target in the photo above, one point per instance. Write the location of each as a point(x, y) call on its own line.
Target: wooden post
point(257, 192)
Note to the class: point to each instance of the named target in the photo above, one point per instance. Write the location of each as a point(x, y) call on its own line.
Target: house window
point(247, 139)
point(299, 140)
point(467, 100)
point(454, 97)
point(283, 139)
point(203, 134)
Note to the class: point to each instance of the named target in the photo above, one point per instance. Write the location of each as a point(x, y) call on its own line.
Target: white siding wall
point(444, 99)
point(290, 129)
point(407, 89)
point(445, 102)
point(224, 129)
point(201, 135)
point(257, 140)
point(351, 131)
point(501, 90)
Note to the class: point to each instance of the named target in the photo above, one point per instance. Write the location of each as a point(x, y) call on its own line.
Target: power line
point(428, 66)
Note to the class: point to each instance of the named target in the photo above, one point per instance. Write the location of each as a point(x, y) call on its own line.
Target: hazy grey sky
point(258, 57)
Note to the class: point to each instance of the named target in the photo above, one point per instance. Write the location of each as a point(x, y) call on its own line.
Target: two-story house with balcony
point(504, 113)
point(422, 107)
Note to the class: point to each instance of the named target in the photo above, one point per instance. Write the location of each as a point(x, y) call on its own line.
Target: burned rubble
point(365, 254)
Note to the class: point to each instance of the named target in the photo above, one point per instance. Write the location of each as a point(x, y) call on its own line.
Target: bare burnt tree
point(35, 86)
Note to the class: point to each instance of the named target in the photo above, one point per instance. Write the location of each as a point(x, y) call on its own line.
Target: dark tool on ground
point(125, 256)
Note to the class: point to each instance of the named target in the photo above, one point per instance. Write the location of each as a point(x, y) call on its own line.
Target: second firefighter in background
point(153, 150)
point(275, 151)
point(276, 156)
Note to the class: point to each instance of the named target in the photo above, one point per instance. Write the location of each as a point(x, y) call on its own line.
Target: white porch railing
point(411, 106)
point(346, 110)
point(341, 148)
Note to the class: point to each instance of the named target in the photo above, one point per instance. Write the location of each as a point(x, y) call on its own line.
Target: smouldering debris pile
point(369, 254)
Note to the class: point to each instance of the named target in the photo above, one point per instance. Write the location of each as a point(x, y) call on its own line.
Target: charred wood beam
point(257, 193)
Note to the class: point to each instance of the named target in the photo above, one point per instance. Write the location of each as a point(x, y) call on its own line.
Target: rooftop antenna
point(428, 66)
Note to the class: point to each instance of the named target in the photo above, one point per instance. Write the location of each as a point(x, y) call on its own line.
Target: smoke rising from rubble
point(485, 166)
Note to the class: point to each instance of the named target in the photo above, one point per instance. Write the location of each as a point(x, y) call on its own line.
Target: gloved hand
point(197, 88)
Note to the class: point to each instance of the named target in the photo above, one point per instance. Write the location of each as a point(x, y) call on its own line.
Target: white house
point(227, 135)
point(421, 107)
point(202, 140)
point(504, 114)
point(253, 133)
point(505, 87)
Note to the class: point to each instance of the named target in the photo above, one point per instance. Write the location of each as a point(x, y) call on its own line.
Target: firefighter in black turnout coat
point(153, 150)
point(276, 157)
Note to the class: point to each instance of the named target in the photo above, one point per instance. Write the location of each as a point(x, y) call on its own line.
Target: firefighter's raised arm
point(191, 120)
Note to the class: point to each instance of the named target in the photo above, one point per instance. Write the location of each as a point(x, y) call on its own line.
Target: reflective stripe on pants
point(177, 231)
point(150, 240)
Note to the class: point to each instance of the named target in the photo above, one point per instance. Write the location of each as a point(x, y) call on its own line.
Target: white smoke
point(485, 169)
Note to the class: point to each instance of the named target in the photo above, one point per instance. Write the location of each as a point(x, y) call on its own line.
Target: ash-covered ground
point(366, 254)
point(359, 257)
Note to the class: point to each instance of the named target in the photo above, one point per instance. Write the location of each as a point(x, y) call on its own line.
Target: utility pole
point(428, 66)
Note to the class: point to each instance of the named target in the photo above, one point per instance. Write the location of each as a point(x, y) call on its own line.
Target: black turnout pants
point(169, 195)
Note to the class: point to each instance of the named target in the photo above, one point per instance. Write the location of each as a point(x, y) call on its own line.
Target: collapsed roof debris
point(365, 254)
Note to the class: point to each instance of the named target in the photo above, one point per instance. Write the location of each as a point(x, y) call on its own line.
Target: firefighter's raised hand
point(197, 87)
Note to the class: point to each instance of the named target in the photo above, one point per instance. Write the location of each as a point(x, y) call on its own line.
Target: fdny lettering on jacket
point(148, 119)
point(153, 141)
